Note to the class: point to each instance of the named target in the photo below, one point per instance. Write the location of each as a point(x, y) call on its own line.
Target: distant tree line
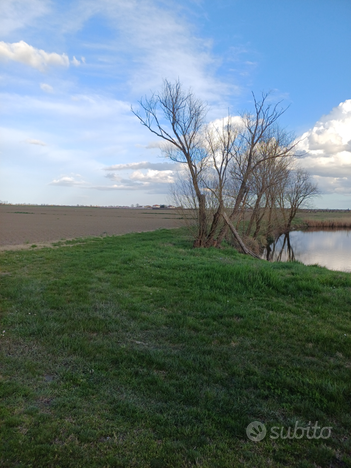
point(240, 177)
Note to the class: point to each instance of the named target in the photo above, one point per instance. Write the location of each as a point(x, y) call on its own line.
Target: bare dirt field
point(23, 225)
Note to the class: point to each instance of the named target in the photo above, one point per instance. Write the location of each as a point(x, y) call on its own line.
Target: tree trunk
point(254, 215)
point(210, 241)
point(201, 237)
point(238, 201)
point(259, 220)
point(237, 237)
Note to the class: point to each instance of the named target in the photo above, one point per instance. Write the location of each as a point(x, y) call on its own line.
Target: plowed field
point(24, 225)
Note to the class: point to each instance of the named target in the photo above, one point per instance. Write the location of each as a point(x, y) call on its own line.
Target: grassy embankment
point(140, 351)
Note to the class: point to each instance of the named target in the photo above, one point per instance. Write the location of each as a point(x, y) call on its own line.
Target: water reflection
point(329, 248)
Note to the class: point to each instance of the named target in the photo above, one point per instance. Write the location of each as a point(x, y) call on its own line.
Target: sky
point(71, 70)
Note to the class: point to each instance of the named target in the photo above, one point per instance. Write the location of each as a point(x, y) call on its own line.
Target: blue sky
point(70, 71)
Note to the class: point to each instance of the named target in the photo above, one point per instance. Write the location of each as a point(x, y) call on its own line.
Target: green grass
point(139, 351)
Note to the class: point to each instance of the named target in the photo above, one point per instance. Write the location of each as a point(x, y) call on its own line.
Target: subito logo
point(256, 431)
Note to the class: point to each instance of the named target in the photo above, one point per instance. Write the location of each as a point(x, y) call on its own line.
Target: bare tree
point(297, 190)
point(266, 180)
point(232, 165)
point(219, 142)
point(259, 127)
point(178, 118)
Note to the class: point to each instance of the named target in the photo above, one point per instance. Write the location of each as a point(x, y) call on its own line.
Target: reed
point(329, 224)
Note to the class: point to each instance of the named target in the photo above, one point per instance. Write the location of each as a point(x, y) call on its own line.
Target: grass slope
point(138, 351)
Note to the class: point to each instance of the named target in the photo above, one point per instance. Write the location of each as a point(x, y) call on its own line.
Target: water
point(330, 248)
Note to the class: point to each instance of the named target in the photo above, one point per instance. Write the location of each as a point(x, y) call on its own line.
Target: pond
point(330, 248)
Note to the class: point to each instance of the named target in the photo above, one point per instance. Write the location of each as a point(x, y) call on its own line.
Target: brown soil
point(21, 226)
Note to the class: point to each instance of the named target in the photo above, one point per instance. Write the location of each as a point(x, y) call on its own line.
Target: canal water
point(330, 248)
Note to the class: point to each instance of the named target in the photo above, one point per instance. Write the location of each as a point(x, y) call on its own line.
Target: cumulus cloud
point(217, 125)
point(46, 88)
point(112, 176)
point(151, 181)
point(330, 185)
point(69, 181)
point(327, 148)
point(153, 177)
point(36, 142)
point(29, 55)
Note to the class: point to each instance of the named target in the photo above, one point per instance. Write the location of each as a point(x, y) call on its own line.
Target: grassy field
point(139, 351)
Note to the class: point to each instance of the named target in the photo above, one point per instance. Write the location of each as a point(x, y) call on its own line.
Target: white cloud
point(331, 185)
point(124, 186)
point(46, 88)
point(29, 55)
point(69, 181)
point(75, 62)
point(159, 144)
point(143, 183)
point(161, 43)
point(79, 107)
point(151, 181)
point(153, 177)
point(87, 134)
point(113, 176)
point(327, 148)
point(36, 142)
point(16, 14)
point(142, 165)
